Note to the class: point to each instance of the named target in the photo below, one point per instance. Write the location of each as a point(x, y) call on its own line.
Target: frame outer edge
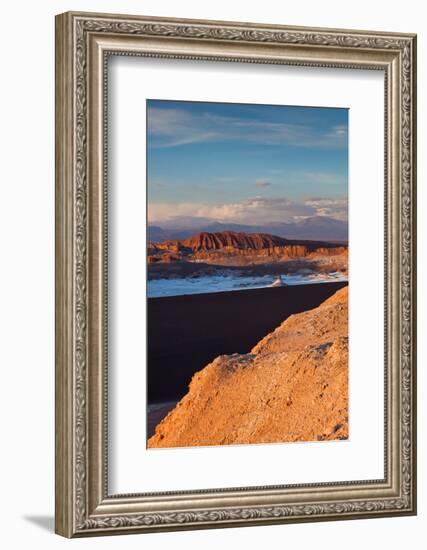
point(73, 402)
point(157, 19)
point(64, 237)
point(414, 270)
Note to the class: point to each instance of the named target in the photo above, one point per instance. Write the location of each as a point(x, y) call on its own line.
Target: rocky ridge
point(217, 247)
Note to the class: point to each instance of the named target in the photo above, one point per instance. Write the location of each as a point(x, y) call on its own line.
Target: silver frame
point(83, 43)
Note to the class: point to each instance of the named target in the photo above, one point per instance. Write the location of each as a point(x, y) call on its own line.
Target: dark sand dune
point(156, 413)
point(185, 333)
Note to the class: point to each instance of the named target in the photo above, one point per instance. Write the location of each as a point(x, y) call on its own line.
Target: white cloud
point(262, 183)
point(176, 127)
point(252, 211)
point(340, 130)
point(334, 208)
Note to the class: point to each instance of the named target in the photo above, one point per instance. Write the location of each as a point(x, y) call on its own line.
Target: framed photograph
point(235, 274)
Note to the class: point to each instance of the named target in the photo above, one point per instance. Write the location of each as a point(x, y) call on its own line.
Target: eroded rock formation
point(223, 246)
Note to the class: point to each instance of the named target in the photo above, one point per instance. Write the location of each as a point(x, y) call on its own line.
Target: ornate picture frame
point(84, 42)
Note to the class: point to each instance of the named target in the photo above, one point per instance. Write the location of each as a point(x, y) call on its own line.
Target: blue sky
point(243, 163)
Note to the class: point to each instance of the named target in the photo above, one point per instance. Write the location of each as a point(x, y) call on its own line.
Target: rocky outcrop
point(275, 253)
point(223, 246)
point(231, 239)
point(292, 386)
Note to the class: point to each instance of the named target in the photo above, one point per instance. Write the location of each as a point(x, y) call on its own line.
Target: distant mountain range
point(318, 228)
